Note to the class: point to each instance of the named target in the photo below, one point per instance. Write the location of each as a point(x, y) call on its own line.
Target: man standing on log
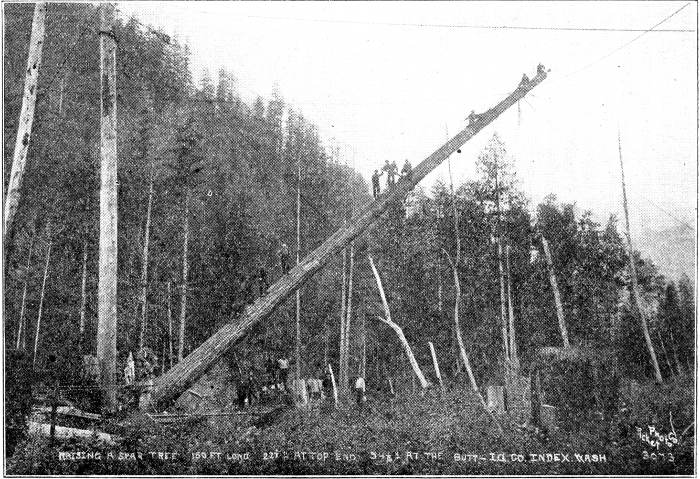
point(406, 170)
point(391, 172)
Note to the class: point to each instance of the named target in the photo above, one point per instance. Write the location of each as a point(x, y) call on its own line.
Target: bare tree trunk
point(555, 290)
point(668, 360)
point(41, 300)
point(26, 117)
point(504, 323)
point(343, 381)
point(633, 274)
point(297, 369)
point(325, 341)
point(462, 350)
point(436, 366)
point(83, 297)
point(335, 389)
point(675, 352)
point(24, 292)
point(170, 326)
point(144, 263)
point(348, 315)
point(515, 362)
point(399, 332)
point(185, 266)
point(364, 345)
point(107, 284)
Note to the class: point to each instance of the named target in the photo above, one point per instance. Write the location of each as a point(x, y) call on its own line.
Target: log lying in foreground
point(178, 379)
point(62, 432)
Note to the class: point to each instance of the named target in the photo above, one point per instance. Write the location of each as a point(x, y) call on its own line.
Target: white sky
point(392, 91)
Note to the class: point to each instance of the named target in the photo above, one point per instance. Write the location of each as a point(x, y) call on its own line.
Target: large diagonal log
point(170, 385)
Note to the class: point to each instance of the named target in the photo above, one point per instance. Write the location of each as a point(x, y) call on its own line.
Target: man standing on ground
point(376, 190)
point(283, 254)
point(283, 365)
point(360, 390)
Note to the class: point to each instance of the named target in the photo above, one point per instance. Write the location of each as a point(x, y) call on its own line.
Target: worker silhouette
point(376, 189)
point(283, 255)
point(406, 170)
point(391, 172)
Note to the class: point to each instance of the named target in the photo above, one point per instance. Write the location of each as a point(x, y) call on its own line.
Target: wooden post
point(144, 262)
point(399, 332)
point(26, 118)
point(107, 285)
point(555, 289)
point(41, 299)
point(185, 269)
point(637, 299)
point(182, 376)
point(24, 292)
point(436, 365)
point(83, 298)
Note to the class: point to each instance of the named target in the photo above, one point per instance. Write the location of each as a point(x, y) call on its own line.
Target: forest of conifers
point(224, 172)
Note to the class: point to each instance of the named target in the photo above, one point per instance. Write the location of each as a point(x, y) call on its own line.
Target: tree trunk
point(515, 362)
point(668, 360)
point(633, 274)
point(325, 342)
point(555, 290)
point(297, 369)
point(24, 292)
point(348, 315)
point(675, 352)
point(335, 389)
point(343, 381)
point(364, 346)
point(501, 282)
point(436, 366)
point(41, 300)
point(185, 266)
point(504, 320)
point(144, 263)
point(399, 332)
point(182, 376)
point(107, 284)
point(26, 118)
point(462, 350)
point(83, 298)
point(170, 326)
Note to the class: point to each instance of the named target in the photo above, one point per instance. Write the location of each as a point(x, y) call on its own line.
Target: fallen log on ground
point(178, 379)
point(62, 432)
